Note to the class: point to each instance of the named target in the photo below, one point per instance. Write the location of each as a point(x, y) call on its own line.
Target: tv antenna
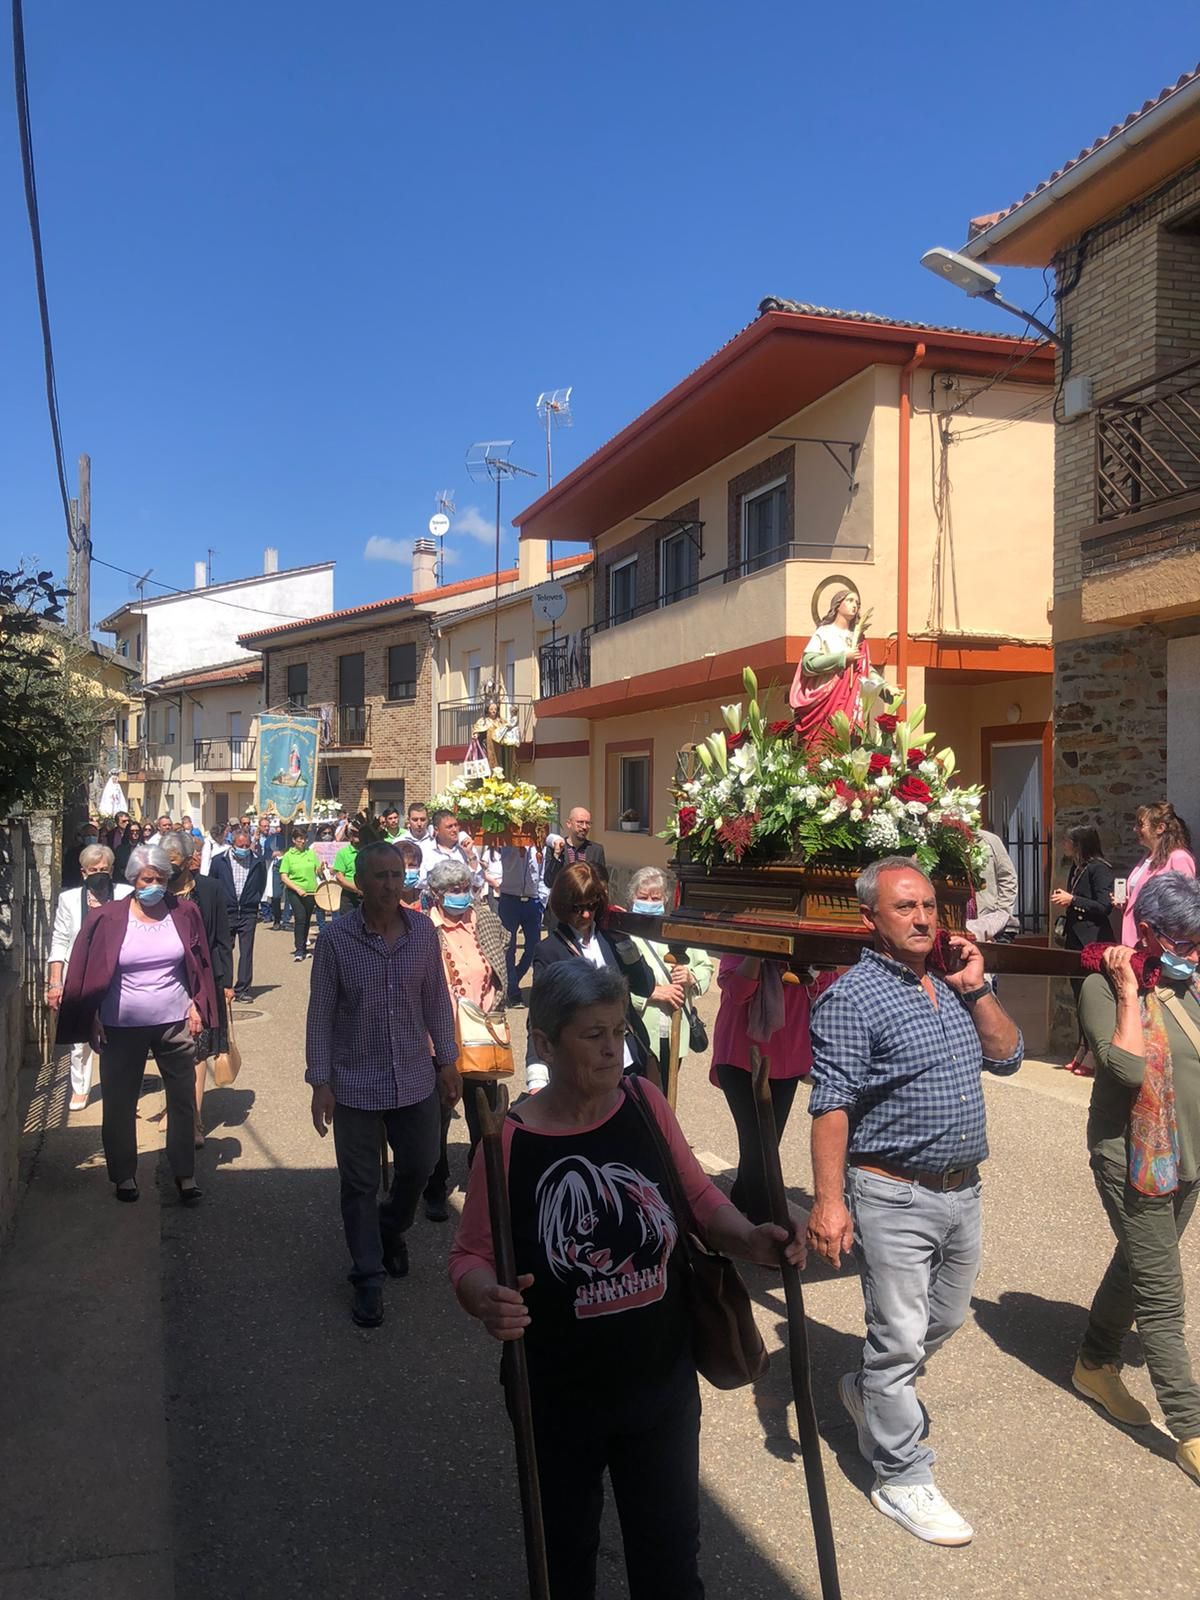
point(439, 526)
point(487, 461)
point(554, 408)
point(140, 585)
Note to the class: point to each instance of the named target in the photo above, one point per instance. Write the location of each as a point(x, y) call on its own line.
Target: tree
point(51, 714)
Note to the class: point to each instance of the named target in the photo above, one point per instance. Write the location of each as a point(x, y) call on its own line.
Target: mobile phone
point(1120, 885)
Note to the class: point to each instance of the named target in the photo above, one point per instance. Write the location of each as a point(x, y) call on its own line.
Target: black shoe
point(128, 1195)
point(242, 999)
point(436, 1209)
point(395, 1255)
point(367, 1309)
point(188, 1197)
point(515, 999)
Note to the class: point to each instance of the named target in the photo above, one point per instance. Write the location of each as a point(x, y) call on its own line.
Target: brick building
point(1120, 226)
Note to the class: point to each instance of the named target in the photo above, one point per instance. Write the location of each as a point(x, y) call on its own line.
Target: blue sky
point(299, 258)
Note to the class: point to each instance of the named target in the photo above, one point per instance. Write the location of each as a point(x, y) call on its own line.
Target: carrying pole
point(797, 1326)
point(514, 1367)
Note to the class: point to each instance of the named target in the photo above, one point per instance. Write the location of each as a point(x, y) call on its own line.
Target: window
point(677, 564)
point(633, 792)
point(196, 714)
point(351, 680)
point(764, 527)
point(402, 672)
point(331, 781)
point(471, 674)
point(385, 794)
point(622, 590)
point(123, 646)
point(123, 736)
point(508, 654)
point(172, 726)
point(297, 684)
point(139, 646)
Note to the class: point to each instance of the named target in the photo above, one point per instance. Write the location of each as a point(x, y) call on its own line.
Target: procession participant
point(241, 877)
point(209, 896)
point(87, 836)
point(898, 1130)
point(391, 824)
point(74, 908)
point(116, 834)
point(595, 1232)
point(575, 847)
point(187, 826)
point(1144, 1138)
point(165, 826)
point(378, 998)
point(298, 874)
point(343, 870)
point(519, 907)
point(996, 899)
point(445, 844)
point(410, 854)
point(832, 669)
point(140, 982)
point(418, 823)
point(130, 840)
point(215, 844)
point(472, 947)
point(1086, 909)
point(676, 985)
point(781, 1010)
point(340, 826)
point(1164, 836)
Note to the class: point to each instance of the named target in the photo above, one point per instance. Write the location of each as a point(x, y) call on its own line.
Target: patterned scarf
point(1153, 1134)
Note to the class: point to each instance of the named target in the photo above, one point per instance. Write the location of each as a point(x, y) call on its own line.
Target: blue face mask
point(1176, 967)
point(456, 904)
point(412, 877)
point(151, 894)
point(242, 853)
point(648, 908)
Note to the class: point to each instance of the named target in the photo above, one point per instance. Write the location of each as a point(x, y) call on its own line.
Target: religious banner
point(287, 764)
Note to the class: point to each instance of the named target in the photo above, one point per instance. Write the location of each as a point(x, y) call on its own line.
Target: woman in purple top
point(140, 983)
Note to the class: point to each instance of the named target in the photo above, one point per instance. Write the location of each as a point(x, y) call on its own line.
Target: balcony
point(351, 728)
point(1148, 445)
point(147, 759)
point(565, 664)
point(223, 755)
point(456, 718)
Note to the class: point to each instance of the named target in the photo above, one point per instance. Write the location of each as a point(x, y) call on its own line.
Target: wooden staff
point(679, 958)
point(514, 1367)
point(806, 1417)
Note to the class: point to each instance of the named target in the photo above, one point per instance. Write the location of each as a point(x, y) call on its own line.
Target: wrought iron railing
point(1148, 443)
point(1030, 852)
point(223, 755)
point(457, 718)
point(565, 663)
point(147, 758)
point(351, 727)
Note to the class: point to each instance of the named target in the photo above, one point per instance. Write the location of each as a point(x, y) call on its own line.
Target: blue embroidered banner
point(287, 765)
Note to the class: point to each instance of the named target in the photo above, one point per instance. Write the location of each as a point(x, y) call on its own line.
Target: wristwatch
point(970, 996)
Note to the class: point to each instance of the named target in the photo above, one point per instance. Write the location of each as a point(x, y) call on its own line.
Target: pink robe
point(817, 700)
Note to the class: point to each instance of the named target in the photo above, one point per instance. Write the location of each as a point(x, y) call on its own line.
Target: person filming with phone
point(898, 1137)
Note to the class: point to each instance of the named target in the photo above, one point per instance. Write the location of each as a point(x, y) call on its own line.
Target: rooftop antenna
point(439, 526)
point(208, 571)
point(487, 461)
point(554, 408)
point(140, 585)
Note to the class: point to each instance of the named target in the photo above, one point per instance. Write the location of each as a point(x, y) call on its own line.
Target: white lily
point(733, 717)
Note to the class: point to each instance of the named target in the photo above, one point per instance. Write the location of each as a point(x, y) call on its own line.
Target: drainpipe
point(903, 476)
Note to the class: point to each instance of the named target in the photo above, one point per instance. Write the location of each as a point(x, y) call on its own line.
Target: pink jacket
point(1177, 861)
point(790, 1051)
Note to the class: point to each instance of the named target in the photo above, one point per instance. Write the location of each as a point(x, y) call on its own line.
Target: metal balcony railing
point(351, 727)
point(1148, 443)
point(565, 664)
point(223, 755)
point(456, 718)
point(147, 758)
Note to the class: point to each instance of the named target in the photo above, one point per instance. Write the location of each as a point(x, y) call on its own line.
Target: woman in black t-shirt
point(601, 1304)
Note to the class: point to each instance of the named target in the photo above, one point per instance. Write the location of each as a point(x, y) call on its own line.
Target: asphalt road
point(308, 1457)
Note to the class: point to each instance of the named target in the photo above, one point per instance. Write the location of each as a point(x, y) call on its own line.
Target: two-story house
point(1120, 227)
point(817, 449)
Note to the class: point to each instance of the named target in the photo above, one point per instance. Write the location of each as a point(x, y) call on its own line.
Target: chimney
point(532, 565)
point(270, 559)
point(199, 578)
point(424, 575)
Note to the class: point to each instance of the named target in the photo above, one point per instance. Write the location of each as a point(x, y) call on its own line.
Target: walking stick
point(679, 956)
point(806, 1418)
point(514, 1367)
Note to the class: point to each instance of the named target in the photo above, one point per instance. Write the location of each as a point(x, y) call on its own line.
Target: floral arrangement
point(758, 795)
point(324, 811)
point(497, 803)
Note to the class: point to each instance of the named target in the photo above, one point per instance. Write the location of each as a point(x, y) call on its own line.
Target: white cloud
point(378, 549)
point(471, 522)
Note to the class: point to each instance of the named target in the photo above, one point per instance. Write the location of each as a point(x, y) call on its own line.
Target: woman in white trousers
point(74, 905)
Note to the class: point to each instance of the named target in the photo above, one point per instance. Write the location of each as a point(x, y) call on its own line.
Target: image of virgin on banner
point(287, 764)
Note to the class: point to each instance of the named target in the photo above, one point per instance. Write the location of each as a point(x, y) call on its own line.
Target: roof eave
point(331, 627)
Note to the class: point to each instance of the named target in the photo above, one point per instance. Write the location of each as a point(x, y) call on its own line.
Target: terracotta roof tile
point(803, 309)
point(237, 672)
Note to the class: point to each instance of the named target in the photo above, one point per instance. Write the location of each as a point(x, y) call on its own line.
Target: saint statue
point(832, 669)
point(499, 734)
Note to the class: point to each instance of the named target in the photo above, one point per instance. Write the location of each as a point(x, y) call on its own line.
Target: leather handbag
point(484, 1042)
point(227, 1063)
point(697, 1032)
point(727, 1347)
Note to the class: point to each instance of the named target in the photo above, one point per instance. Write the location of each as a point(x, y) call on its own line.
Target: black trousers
point(303, 906)
point(412, 1133)
point(122, 1068)
point(648, 1436)
point(749, 1192)
point(439, 1178)
point(243, 925)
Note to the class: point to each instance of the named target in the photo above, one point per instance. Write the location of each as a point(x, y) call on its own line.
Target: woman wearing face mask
point(75, 907)
point(676, 987)
point(140, 983)
point(472, 943)
point(1141, 1017)
point(186, 884)
point(121, 852)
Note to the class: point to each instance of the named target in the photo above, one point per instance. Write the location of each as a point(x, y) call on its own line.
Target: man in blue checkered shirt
point(898, 1136)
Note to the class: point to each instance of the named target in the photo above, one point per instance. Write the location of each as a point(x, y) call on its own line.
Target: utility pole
point(79, 555)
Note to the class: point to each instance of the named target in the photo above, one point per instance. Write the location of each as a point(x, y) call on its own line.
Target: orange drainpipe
point(903, 476)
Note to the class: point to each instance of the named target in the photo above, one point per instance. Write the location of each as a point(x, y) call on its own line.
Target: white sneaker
point(851, 1397)
point(923, 1510)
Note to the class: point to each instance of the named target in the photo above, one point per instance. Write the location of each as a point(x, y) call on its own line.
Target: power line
point(202, 594)
point(35, 231)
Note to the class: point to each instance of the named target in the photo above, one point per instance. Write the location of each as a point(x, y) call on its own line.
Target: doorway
point(1016, 774)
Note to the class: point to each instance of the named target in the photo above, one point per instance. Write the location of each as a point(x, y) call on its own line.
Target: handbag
point(227, 1063)
point(484, 1042)
point(476, 764)
point(727, 1347)
point(697, 1032)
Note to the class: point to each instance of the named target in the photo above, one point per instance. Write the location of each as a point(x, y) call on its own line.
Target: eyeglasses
point(1187, 948)
point(594, 906)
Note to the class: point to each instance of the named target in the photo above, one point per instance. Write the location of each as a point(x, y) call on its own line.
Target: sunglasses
point(594, 906)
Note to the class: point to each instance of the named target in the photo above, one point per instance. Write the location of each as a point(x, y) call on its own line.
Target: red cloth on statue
point(816, 701)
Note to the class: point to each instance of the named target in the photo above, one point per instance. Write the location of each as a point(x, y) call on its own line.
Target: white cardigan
point(68, 919)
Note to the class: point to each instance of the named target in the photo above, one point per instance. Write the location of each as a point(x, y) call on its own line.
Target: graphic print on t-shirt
point(608, 1230)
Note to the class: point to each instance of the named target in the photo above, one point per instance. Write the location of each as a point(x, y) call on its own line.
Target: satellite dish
point(439, 525)
point(549, 601)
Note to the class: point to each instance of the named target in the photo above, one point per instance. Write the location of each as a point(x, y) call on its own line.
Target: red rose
point(843, 791)
point(879, 763)
point(915, 758)
point(886, 721)
point(732, 740)
point(687, 820)
point(779, 730)
point(913, 788)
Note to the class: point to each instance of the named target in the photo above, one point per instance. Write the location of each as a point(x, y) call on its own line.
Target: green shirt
point(301, 867)
point(1119, 1076)
point(345, 860)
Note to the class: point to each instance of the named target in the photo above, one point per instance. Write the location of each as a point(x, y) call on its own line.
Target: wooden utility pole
point(79, 555)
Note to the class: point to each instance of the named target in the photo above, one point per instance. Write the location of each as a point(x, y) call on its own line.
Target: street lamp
point(981, 284)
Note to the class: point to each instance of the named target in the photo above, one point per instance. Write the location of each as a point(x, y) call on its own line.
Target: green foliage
point(52, 714)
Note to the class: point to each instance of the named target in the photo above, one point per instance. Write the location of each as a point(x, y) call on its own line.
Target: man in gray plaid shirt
point(898, 1136)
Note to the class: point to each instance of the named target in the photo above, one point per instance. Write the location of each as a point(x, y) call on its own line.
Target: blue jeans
point(919, 1252)
point(520, 915)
